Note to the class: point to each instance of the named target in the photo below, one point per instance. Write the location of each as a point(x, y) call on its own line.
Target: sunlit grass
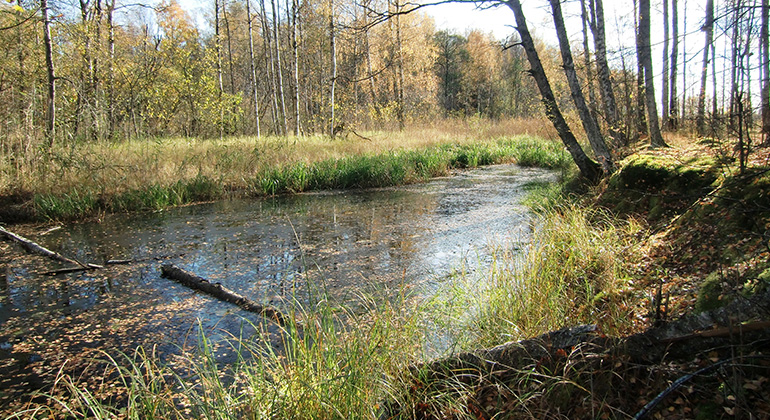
point(80, 179)
point(574, 272)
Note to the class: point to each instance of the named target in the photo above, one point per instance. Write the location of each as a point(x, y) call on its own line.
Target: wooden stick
point(37, 249)
point(722, 332)
point(220, 292)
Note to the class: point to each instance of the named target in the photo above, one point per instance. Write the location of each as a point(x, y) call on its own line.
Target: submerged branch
point(222, 293)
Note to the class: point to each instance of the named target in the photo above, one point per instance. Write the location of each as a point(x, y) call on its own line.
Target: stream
point(280, 250)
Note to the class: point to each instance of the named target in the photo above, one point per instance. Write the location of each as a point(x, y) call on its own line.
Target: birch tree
point(589, 124)
point(653, 127)
point(708, 28)
point(589, 169)
point(765, 70)
point(596, 8)
point(253, 68)
point(664, 75)
point(673, 106)
point(48, 43)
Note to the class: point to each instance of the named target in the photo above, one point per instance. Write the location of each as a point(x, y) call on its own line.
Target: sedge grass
point(575, 272)
point(80, 180)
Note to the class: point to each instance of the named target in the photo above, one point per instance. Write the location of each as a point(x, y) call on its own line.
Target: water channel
point(297, 248)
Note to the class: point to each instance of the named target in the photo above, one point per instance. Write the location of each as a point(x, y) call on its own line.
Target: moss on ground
point(659, 185)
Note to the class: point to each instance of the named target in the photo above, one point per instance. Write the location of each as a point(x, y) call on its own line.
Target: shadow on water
point(274, 250)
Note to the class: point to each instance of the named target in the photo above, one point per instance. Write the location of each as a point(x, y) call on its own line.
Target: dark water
point(275, 250)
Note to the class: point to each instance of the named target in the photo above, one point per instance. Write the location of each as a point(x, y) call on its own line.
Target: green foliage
point(77, 203)
point(529, 151)
point(400, 167)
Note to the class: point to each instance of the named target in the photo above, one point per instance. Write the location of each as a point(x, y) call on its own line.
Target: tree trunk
point(684, 64)
point(217, 43)
point(270, 64)
point(229, 47)
point(34, 248)
point(111, 68)
point(51, 117)
point(673, 113)
point(400, 68)
point(589, 124)
point(21, 81)
point(737, 43)
point(641, 119)
point(665, 75)
point(708, 27)
point(589, 169)
point(85, 93)
point(615, 129)
point(587, 61)
point(284, 123)
point(656, 140)
point(369, 72)
point(220, 292)
point(253, 68)
point(765, 72)
point(295, 54)
point(333, 64)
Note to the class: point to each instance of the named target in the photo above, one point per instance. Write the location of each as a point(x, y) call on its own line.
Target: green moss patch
point(656, 185)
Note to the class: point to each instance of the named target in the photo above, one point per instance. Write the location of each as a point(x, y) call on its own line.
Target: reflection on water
point(271, 250)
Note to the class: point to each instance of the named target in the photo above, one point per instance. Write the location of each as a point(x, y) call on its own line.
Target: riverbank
point(669, 260)
point(85, 179)
point(674, 233)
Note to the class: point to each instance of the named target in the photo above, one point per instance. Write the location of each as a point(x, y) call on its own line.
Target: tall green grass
point(231, 173)
point(574, 272)
point(341, 365)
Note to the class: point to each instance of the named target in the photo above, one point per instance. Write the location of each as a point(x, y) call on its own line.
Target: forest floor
point(700, 347)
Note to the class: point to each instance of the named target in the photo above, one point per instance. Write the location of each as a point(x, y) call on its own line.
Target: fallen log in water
point(220, 292)
point(40, 250)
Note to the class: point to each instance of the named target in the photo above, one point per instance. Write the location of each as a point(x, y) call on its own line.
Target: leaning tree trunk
point(51, 120)
point(653, 127)
point(604, 75)
point(589, 123)
point(589, 169)
point(708, 27)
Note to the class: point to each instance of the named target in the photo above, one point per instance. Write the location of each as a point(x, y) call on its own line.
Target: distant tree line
point(100, 69)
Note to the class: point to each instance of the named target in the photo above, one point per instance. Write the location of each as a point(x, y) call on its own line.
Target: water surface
point(301, 248)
